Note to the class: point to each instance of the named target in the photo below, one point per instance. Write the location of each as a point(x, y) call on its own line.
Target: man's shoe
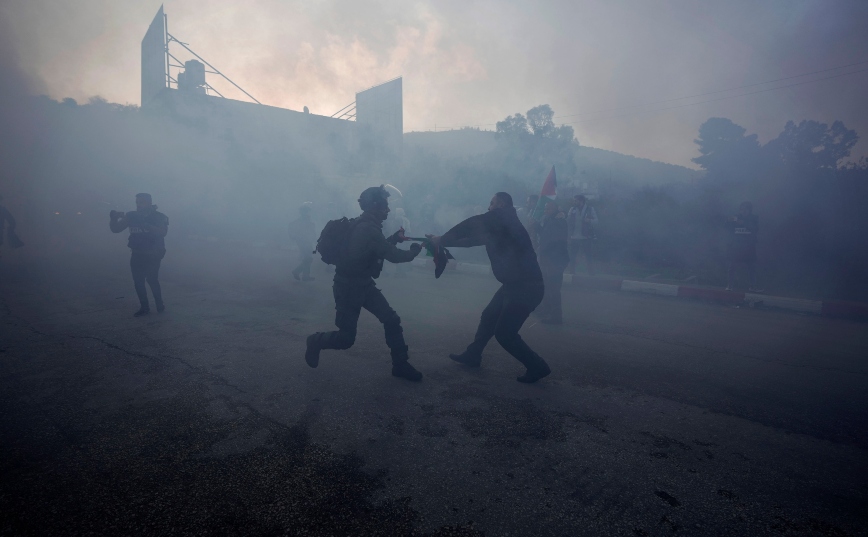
point(141, 312)
point(406, 371)
point(534, 375)
point(311, 354)
point(467, 359)
point(161, 307)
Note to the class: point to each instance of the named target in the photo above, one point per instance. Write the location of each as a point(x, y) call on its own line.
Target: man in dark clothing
point(148, 228)
point(742, 245)
point(303, 232)
point(553, 259)
point(515, 266)
point(354, 286)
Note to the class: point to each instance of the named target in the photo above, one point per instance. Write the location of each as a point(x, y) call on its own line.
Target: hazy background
point(475, 62)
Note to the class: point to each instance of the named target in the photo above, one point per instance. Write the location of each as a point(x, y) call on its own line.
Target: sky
point(615, 70)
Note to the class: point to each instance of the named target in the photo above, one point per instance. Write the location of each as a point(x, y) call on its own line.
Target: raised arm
point(117, 221)
point(391, 253)
point(471, 232)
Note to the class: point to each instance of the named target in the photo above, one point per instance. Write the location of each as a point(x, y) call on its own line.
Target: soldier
point(303, 232)
point(148, 227)
point(354, 287)
point(514, 264)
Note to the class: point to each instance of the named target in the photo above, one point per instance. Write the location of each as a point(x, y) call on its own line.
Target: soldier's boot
point(311, 354)
point(401, 367)
point(468, 358)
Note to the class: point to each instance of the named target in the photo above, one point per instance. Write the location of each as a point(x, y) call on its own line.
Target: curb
point(829, 308)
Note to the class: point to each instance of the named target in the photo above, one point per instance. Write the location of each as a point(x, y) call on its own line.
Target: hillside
point(594, 164)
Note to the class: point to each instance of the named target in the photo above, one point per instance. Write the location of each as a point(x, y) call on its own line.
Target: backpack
point(333, 241)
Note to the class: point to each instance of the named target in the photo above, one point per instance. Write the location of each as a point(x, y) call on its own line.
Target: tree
point(812, 145)
point(531, 145)
point(722, 143)
point(540, 120)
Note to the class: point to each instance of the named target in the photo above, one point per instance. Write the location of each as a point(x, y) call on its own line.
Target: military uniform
point(354, 289)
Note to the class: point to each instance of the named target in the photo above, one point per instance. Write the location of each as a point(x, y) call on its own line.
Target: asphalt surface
point(661, 417)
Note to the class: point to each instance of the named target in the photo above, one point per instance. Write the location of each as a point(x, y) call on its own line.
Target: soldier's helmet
point(373, 197)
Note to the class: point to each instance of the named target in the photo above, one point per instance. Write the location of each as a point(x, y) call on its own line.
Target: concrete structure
point(367, 137)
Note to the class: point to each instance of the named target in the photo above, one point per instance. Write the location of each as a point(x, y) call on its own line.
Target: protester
point(361, 263)
point(303, 232)
point(525, 214)
point(148, 228)
point(741, 250)
point(514, 264)
point(581, 222)
point(553, 259)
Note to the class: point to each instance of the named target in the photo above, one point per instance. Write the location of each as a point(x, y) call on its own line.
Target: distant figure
point(553, 259)
point(303, 232)
point(306, 110)
point(148, 228)
point(401, 222)
point(6, 217)
point(515, 266)
point(525, 214)
point(581, 223)
point(362, 261)
point(741, 249)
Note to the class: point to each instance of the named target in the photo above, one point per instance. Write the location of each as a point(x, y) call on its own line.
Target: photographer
point(148, 227)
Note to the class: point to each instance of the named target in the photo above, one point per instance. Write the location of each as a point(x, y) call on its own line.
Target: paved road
point(661, 417)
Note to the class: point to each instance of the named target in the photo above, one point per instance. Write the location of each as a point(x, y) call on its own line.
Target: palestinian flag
point(548, 193)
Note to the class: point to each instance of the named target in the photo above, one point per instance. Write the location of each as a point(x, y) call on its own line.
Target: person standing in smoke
point(581, 221)
point(741, 250)
point(361, 263)
point(514, 264)
point(148, 228)
point(553, 259)
point(525, 214)
point(402, 223)
point(303, 232)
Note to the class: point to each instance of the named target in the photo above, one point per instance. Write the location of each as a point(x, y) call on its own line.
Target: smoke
point(475, 63)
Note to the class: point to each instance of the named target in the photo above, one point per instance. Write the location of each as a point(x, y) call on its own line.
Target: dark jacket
point(552, 233)
point(144, 230)
point(367, 249)
point(506, 241)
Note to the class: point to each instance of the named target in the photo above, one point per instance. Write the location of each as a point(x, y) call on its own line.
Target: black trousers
point(350, 298)
point(146, 268)
point(553, 278)
point(503, 318)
